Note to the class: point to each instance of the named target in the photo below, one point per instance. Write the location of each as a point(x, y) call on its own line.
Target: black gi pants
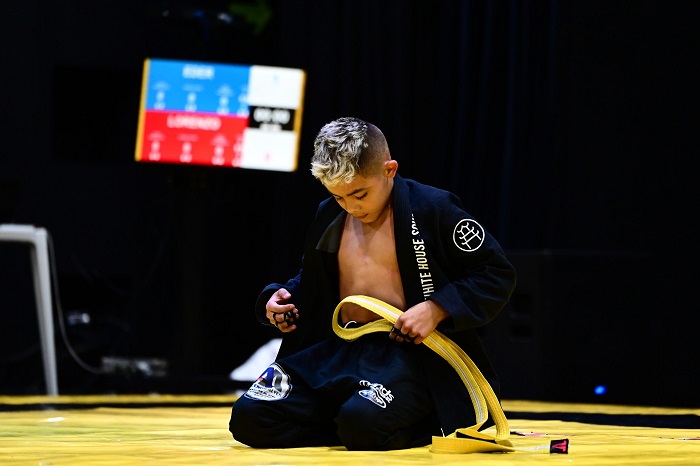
point(369, 394)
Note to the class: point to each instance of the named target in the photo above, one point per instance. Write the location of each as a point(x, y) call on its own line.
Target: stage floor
point(193, 430)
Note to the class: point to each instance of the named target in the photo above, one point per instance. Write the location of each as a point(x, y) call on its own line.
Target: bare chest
point(368, 266)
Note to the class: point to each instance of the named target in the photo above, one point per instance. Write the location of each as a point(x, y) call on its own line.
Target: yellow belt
point(463, 440)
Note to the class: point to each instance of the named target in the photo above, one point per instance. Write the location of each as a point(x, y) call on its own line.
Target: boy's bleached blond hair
point(345, 148)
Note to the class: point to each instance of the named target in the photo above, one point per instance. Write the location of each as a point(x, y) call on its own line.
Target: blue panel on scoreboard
point(198, 87)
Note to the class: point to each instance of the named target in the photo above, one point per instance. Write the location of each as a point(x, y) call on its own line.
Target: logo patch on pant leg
point(376, 393)
point(274, 384)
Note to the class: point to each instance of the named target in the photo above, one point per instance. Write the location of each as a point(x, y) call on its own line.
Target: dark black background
point(567, 128)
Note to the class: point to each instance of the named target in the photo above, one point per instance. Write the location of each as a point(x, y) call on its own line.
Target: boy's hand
point(281, 314)
point(419, 321)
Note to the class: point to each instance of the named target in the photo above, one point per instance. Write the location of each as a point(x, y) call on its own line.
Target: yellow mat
point(192, 430)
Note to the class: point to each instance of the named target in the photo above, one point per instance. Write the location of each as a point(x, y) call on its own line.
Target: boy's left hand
point(419, 321)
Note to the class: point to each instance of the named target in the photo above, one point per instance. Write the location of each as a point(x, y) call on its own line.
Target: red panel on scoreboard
point(202, 139)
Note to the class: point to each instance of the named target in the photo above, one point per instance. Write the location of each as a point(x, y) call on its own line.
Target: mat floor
point(192, 430)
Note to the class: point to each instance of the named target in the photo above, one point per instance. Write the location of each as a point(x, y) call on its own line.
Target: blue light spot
point(600, 390)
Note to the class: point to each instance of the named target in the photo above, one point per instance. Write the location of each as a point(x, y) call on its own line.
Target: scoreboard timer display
point(245, 116)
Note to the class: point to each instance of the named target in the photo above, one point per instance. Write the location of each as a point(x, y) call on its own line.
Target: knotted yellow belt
point(463, 440)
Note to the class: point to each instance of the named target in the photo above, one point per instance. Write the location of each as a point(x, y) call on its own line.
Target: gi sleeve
point(479, 279)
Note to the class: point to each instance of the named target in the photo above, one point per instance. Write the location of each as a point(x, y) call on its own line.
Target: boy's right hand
point(281, 314)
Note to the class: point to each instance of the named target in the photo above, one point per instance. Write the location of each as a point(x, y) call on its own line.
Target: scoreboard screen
point(228, 115)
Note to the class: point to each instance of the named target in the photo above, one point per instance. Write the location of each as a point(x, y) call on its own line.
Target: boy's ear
point(390, 168)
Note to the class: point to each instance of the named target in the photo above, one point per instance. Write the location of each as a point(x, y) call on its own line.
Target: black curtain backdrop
point(567, 128)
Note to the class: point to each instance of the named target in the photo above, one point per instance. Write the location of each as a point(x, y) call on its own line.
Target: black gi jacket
point(444, 256)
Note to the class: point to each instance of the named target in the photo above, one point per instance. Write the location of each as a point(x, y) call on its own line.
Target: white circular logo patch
point(272, 385)
point(468, 235)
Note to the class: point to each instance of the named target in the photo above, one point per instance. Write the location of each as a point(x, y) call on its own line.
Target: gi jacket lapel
point(404, 243)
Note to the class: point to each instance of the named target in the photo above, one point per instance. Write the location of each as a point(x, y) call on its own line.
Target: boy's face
point(365, 198)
